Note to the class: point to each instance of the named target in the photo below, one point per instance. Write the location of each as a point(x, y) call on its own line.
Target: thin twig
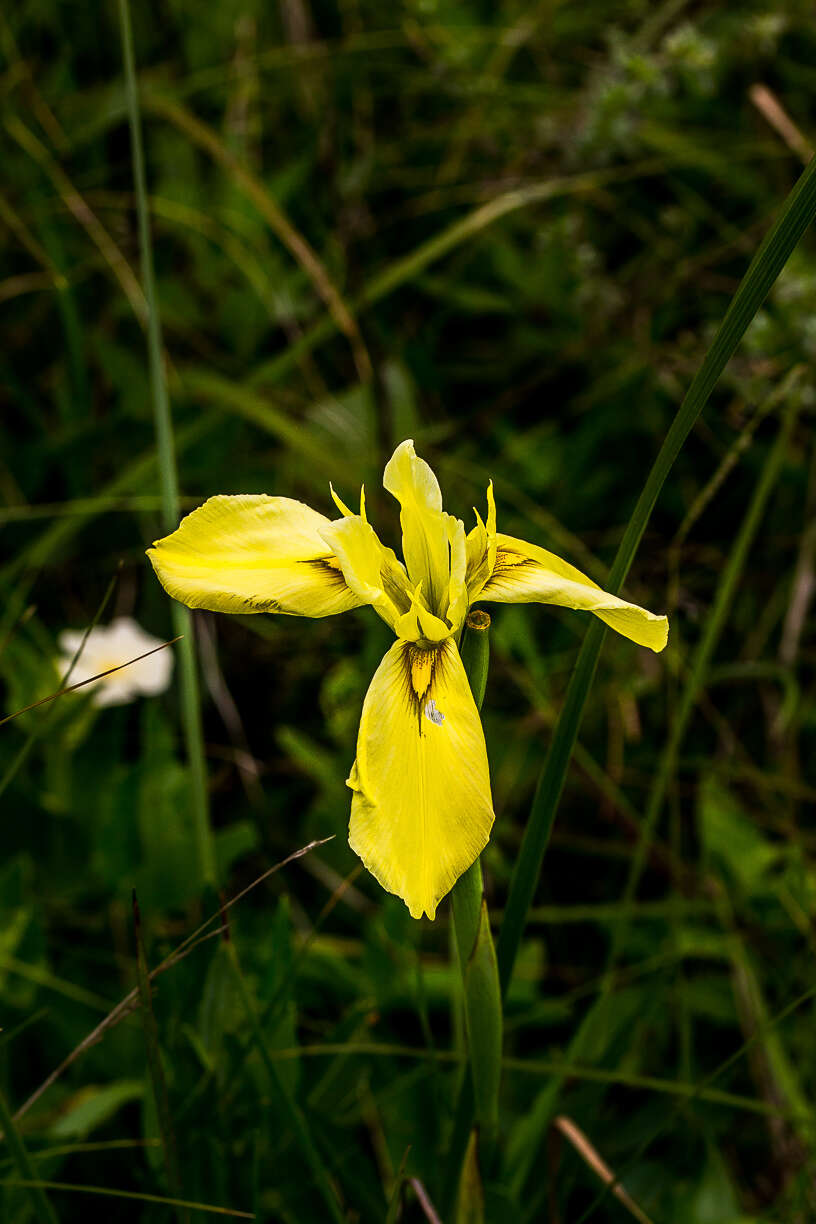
point(575, 1136)
point(424, 1201)
point(771, 109)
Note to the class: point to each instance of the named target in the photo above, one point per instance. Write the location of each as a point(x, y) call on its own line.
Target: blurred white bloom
point(109, 646)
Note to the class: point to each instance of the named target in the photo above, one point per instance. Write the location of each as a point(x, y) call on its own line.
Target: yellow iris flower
point(421, 810)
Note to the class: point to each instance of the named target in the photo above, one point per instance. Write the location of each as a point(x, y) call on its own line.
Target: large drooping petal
point(421, 811)
point(524, 573)
point(424, 532)
point(253, 553)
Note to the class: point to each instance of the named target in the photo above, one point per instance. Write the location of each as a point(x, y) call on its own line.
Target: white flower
point(109, 646)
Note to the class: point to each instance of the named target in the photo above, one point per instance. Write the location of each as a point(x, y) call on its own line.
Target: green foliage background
point(537, 214)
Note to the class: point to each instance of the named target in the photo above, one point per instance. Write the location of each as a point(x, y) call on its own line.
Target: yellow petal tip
point(662, 625)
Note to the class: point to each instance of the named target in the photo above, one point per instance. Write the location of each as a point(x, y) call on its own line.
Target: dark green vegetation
point(509, 232)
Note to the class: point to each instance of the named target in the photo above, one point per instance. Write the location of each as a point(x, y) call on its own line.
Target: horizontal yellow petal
point(524, 573)
point(421, 811)
point(253, 553)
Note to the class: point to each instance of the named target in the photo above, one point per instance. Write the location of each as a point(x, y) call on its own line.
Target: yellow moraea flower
point(421, 810)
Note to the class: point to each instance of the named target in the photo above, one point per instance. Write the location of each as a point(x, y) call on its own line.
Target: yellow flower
point(421, 810)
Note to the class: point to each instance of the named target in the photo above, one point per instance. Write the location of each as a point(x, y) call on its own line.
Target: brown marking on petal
point(263, 604)
point(394, 590)
point(509, 564)
point(419, 669)
point(328, 567)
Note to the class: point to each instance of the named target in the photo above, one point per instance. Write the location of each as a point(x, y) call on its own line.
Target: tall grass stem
point(712, 632)
point(290, 1112)
point(155, 1068)
point(797, 214)
point(168, 479)
point(41, 1205)
point(591, 1032)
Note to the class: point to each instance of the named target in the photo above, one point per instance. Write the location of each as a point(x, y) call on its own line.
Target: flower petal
point(481, 548)
point(457, 587)
point(371, 570)
point(524, 573)
point(110, 646)
point(253, 553)
point(421, 811)
point(420, 624)
point(127, 640)
point(424, 533)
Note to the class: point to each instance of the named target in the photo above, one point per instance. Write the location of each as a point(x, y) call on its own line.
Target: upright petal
point(457, 587)
point(253, 553)
point(421, 811)
point(481, 548)
point(420, 624)
point(424, 534)
point(371, 570)
point(524, 573)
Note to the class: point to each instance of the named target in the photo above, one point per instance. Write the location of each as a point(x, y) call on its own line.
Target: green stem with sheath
point(474, 941)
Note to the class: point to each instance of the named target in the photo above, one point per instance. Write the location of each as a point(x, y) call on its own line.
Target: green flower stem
point(797, 214)
point(474, 942)
point(182, 621)
point(466, 901)
point(475, 652)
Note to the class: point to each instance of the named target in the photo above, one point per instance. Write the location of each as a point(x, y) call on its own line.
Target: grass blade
point(154, 1063)
point(203, 136)
point(109, 1192)
point(19, 759)
point(288, 1106)
point(395, 1202)
point(406, 268)
point(797, 214)
point(714, 625)
point(182, 621)
point(72, 688)
point(581, 1045)
point(79, 209)
point(39, 1199)
point(125, 1006)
